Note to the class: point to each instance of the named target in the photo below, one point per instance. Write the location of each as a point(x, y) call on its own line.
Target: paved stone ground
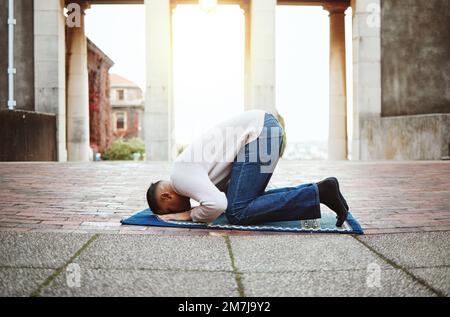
point(60, 235)
point(58, 264)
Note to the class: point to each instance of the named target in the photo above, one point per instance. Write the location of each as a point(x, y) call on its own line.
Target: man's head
point(162, 199)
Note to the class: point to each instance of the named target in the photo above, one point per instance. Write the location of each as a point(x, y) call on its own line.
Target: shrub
point(122, 150)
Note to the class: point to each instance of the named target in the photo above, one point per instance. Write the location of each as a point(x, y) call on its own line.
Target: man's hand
point(183, 216)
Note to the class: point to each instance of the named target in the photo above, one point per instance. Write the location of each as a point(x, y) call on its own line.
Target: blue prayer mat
point(327, 224)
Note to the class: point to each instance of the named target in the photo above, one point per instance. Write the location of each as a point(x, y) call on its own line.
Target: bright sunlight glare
point(208, 56)
point(302, 64)
point(208, 67)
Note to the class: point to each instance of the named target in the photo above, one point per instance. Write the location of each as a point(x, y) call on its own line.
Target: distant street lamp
point(208, 5)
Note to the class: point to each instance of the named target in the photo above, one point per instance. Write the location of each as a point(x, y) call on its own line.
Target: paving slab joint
point(236, 273)
point(59, 270)
point(401, 268)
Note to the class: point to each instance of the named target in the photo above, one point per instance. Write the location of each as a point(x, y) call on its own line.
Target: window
point(120, 94)
point(120, 120)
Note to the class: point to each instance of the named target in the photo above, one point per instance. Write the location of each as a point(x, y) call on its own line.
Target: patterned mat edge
point(355, 227)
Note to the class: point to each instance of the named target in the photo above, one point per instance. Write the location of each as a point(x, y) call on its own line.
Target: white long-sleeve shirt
point(202, 171)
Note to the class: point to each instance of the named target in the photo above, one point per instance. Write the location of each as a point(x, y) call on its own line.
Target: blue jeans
point(248, 201)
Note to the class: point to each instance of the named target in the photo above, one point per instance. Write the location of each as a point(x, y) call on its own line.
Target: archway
point(259, 66)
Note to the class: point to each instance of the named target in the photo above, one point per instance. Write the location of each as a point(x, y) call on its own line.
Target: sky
point(119, 31)
point(209, 64)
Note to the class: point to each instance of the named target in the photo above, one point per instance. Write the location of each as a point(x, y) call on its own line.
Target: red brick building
point(99, 98)
point(127, 108)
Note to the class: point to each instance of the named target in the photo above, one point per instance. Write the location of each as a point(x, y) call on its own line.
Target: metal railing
point(11, 69)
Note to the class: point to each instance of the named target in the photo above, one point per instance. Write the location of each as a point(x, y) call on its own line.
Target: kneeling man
point(227, 170)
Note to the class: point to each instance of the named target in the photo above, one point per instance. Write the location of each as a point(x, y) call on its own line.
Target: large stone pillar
point(260, 55)
point(337, 137)
point(159, 119)
point(50, 66)
point(366, 67)
point(78, 93)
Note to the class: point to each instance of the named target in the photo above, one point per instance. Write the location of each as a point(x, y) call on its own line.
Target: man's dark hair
point(151, 197)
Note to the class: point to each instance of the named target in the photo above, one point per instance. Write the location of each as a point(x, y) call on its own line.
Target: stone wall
point(415, 41)
point(414, 123)
point(23, 54)
point(418, 137)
